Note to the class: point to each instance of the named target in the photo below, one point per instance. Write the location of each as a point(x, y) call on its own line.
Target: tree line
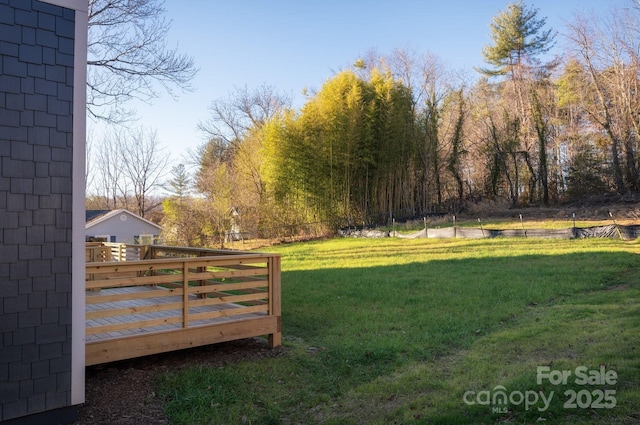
point(403, 135)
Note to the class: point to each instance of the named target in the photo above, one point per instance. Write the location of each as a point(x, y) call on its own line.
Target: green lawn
point(430, 331)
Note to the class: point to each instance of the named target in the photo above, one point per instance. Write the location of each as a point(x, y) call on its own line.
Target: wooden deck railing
point(182, 290)
point(162, 251)
point(112, 251)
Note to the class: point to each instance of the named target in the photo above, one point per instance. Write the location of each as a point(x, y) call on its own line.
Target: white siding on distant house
point(122, 224)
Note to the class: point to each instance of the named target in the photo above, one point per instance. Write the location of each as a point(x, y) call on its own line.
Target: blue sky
point(293, 45)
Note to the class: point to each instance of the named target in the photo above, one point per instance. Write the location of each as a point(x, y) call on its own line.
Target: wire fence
point(274, 235)
point(612, 231)
point(250, 240)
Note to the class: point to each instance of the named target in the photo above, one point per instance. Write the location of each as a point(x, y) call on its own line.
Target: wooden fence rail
point(148, 306)
point(113, 251)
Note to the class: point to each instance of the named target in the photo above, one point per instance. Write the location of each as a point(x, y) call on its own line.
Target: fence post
point(454, 227)
point(616, 225)
point(426, 230)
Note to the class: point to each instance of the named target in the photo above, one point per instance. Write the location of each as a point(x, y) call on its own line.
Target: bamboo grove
point(402, 135)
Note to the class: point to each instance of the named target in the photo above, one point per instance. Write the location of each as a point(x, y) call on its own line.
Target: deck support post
point(275, 302)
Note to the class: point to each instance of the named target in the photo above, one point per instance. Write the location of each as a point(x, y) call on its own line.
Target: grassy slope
point(395, 331)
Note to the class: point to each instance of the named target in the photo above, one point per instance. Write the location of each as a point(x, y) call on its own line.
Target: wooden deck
point(179, 298)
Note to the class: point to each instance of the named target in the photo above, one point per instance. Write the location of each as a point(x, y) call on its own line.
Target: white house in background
point(120, 226)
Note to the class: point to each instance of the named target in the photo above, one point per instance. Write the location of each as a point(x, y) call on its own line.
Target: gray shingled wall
point(36, 91)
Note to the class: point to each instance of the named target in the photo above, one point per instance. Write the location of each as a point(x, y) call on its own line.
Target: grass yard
point(382, 331)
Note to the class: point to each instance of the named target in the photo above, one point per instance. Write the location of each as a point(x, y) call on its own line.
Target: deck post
point(202, 282)
point(185, 295)
point(275, 307)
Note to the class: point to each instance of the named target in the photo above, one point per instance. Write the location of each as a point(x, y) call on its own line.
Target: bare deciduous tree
point(129, 166)
point(128, 57)
point(143, 165)
point(592, 47)
point(108, 172)
point(242, 110)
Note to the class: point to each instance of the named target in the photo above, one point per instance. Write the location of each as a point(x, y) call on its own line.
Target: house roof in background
point(94, 217)
point(93, 214)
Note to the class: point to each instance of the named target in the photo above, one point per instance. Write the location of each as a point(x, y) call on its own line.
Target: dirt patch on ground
point(123, 393)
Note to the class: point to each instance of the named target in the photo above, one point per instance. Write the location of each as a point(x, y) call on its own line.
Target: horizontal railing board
point(227, 274)
point(148, 266)
point(228, 312)
point(138, 324)
point(229, 299)
point(118, 324)
point(211, 288)
point(95, 298)
point(126, 311)
point(129, 313)
point(115, 281)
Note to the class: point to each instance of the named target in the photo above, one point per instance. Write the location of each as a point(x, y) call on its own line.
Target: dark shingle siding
point(9, 83)
point(6, 14)
point(36, 124)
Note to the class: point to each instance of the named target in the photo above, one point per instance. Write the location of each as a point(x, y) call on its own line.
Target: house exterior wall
point(124, 231)
point(39, 359)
